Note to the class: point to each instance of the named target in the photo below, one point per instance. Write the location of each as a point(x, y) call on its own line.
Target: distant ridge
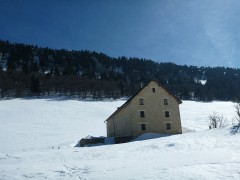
point(28, 70)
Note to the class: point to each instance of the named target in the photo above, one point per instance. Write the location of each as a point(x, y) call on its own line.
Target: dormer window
point(153, 90)
point(141, 101)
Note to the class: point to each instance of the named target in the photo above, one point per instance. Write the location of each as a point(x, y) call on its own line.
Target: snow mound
point(147, 136)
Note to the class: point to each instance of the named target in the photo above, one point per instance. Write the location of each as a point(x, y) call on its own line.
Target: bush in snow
point(236, 125)
point(217, 121)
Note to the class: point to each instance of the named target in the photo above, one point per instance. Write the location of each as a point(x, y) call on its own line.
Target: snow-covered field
point(37, 139)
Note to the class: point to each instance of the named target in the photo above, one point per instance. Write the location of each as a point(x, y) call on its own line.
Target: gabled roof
point(130, 99)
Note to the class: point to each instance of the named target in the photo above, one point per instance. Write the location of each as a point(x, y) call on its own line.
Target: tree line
point(27, 70)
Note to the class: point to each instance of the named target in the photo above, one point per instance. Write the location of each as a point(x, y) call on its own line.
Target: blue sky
point(192, 32)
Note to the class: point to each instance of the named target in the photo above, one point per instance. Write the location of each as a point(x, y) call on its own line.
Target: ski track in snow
point(37, 139)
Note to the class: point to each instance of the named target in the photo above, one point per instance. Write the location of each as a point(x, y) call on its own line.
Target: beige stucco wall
point(127, 122)
point(120, 124)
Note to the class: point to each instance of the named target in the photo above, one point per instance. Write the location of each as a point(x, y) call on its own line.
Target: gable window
point(153, 90)
point(165, 101)
point(141, 102)
point(142, 114)
point(168, 126)
point(143, 127)
point(167, 114)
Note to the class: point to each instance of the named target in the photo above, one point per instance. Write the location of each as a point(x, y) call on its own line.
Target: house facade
point(153, 109)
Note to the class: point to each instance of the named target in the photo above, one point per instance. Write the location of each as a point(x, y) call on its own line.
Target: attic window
point(153, 90)
point(142, 114)
point(143, 127)
point(165, 101)
point(141, 102)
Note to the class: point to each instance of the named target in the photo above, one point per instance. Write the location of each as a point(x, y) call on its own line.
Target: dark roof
point(130, 99)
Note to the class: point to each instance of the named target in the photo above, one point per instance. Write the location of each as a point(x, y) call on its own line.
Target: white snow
point(37, 139)
point(201, 81)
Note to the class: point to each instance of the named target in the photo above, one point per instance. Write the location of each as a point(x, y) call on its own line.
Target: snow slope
point(37, 139)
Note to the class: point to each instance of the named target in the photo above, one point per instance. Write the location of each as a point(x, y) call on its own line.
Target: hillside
point(37, 139)
point(31, 71)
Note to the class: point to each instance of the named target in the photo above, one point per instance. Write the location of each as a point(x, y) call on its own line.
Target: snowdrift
point(37, 139)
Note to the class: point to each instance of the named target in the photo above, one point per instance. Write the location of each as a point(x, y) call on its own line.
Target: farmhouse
point(153, 109)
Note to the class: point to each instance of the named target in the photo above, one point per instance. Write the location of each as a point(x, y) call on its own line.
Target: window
point(143, 127)
point(142, 114)
point(167, 114)
point(165, 101)
point(141, 102)
point(168, 126)
point(153, 90)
